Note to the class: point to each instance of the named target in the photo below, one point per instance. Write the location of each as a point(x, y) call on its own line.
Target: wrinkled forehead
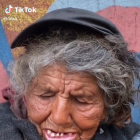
point(60, 70)
point(58, 79)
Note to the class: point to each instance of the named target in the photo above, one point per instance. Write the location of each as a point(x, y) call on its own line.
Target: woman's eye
point(47, 95)
point(80, 101)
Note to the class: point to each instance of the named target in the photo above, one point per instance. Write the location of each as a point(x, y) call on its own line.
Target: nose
point(60, 112)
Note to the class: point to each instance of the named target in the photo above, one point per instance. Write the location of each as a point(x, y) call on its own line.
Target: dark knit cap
point(67, 17)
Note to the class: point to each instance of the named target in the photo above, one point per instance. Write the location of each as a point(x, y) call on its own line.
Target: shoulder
point(7, 129)
point(5, 113)
point(132, 130)
point(13, 128)
point(137, 136)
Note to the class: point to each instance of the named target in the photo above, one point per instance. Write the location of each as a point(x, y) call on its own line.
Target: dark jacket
point(12, 128)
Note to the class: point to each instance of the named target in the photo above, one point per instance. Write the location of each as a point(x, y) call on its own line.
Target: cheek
point(89, 119)
point(37, 110)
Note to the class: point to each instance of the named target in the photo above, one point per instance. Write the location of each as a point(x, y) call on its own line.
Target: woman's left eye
point(47, 95)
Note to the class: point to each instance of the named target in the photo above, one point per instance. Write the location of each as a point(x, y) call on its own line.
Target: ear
point(24, 100)
point(104, 117)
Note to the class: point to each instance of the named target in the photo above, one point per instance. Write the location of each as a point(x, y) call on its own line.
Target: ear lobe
point(103, 116)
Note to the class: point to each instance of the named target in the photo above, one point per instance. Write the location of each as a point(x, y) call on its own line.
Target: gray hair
point(105, 57)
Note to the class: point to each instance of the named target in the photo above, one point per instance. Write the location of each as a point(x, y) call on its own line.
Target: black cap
point(64, 18)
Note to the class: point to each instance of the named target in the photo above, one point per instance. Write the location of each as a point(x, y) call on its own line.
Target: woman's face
point(65, 106)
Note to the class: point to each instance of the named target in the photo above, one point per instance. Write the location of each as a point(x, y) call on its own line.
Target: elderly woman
point(75, 81)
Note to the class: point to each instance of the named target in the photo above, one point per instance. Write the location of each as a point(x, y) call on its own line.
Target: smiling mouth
point(50, 135)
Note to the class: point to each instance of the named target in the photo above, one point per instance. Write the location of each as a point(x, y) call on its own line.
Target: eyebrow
point(82, 93)
point(43, 89)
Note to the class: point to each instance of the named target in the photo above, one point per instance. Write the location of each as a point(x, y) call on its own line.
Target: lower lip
point(65, 137)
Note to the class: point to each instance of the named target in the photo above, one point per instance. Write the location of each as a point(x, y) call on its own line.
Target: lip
point(65, 137)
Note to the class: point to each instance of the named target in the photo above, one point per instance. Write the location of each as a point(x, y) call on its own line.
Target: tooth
point(52, 135)
point(49, 132)
point(57, 135)
point(70, 134)
point(62, 134)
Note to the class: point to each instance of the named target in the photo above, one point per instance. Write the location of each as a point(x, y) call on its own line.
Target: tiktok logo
point(8, 10)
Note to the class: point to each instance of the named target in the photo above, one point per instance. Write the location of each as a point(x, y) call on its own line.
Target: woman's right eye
point(80, 101)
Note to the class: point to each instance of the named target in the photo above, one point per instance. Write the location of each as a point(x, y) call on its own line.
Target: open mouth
point(50, 135)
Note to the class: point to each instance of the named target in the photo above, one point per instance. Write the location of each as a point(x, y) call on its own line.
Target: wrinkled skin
point(65, 102)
